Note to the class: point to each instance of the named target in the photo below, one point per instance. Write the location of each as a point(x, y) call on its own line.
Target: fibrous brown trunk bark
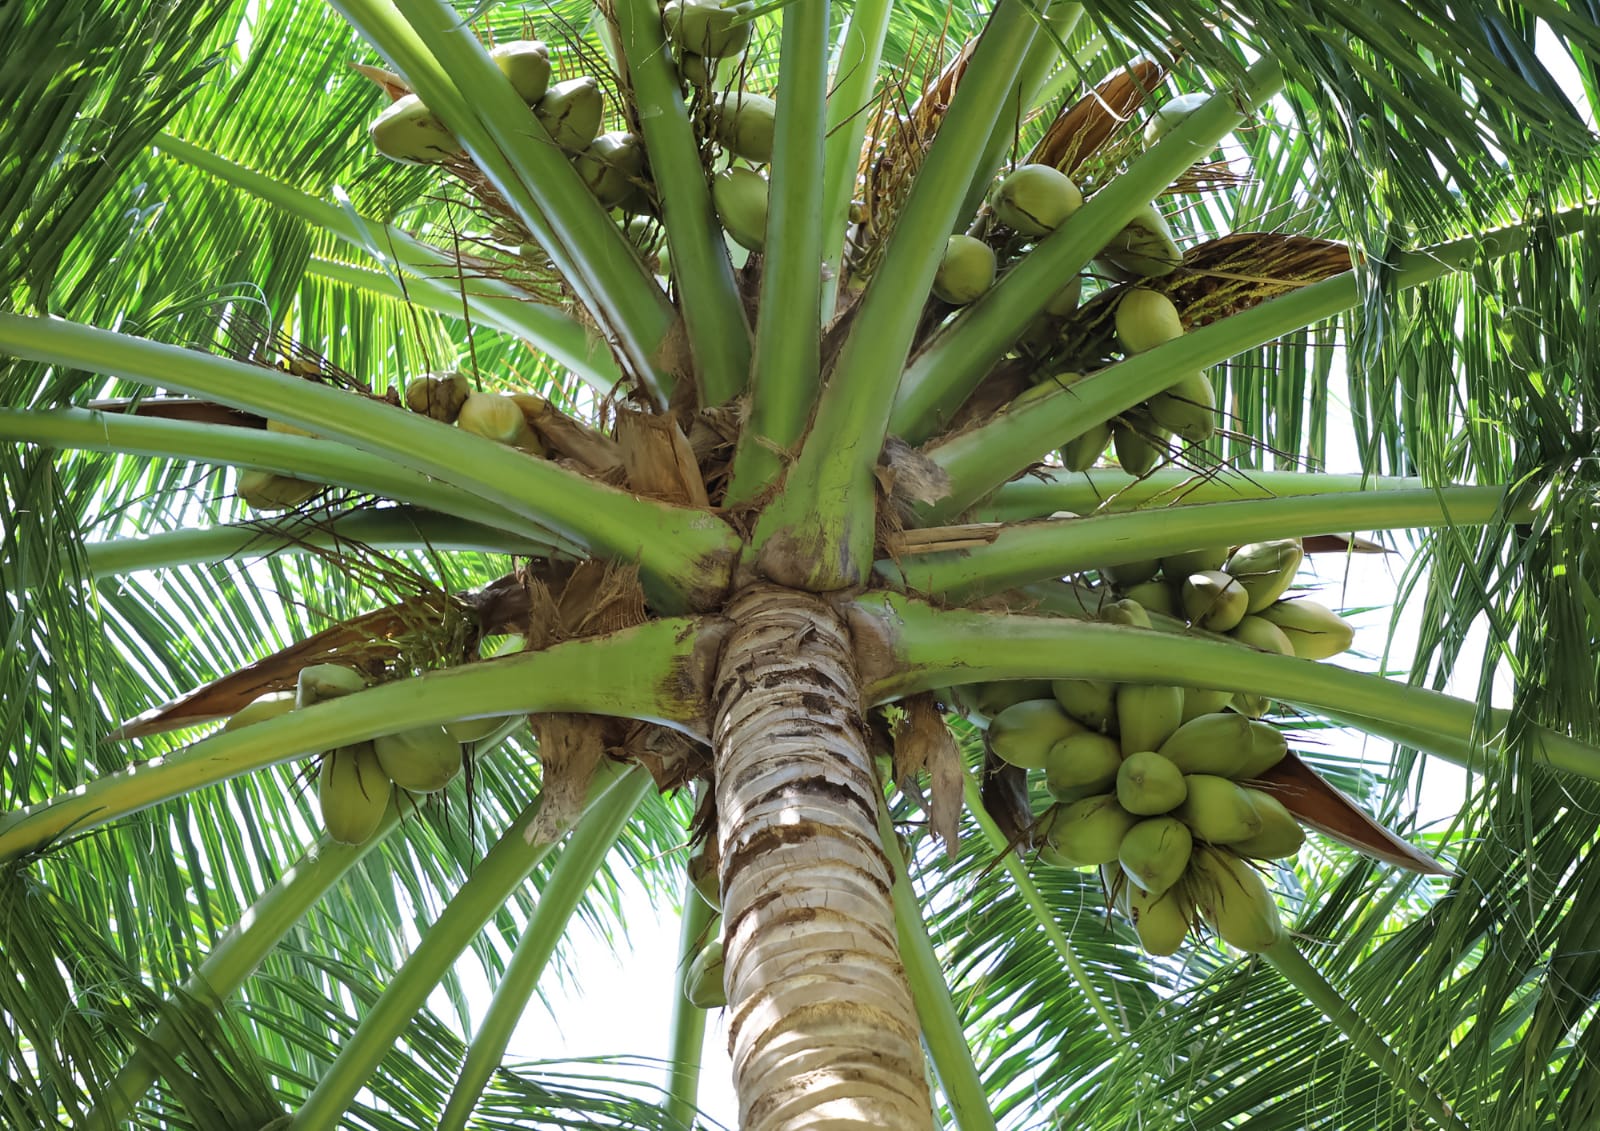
point(822, 1028)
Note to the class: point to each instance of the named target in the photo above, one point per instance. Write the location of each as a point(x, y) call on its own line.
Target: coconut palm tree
point(712, 506)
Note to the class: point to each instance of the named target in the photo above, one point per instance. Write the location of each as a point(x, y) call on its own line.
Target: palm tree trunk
point(822, 1029)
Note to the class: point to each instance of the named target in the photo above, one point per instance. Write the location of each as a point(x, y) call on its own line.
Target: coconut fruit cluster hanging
point(1158, 786)
point(355, 783)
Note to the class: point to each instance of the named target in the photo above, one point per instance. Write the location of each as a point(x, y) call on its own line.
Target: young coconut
point(1146, 319)
point(500, 418)
point(408, 132)
point(439, 396)
point(526, 62)
point(708, 28)
point(1144, 249)
point(611, 167)
point(353, 793)
point(740, 196)
point(1083, 452)
point(571, 111)
point(965, 272)
point(422, 760)
point(1188, 408)
point(744, 124)
point(1138, 443)
point(697, 70)
point(1034, 200)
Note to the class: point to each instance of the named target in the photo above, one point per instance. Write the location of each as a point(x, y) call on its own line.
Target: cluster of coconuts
point(1158, 803)
point(503, 417)
point(572, 112)
point(1029, 203)
point(1151, 783)
point(703, 984)
point(1238, 592)
point(355, 782)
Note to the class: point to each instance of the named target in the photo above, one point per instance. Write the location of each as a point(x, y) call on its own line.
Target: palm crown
point(855, 464)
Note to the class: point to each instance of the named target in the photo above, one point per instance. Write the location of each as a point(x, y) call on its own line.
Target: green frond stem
point(575, 869)
point(1116, 1026)
point(819, 530)
point(980, 459)
point(1287, 960)
point(935, 648)
point(942, 1031)
point(433, 279)
point(504, 868)
point(688, 1020)
point(850, 111)
point(279, 909)
point(304, 457)
point(385, 528)
point(944, 374)
point(633, 673)
point(1034, 551)
point(1111, 489)
point(788, 361)
point(678, 549)
point(713, 312)
point(439, 55)
point(1056, 23)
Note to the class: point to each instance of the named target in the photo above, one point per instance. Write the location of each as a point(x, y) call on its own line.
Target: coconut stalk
point(818, 533)
point(1036, 551)
point(388, 528)
point(305, 457)
point(688, 1021)
point(805, 885)
point(851, 85)
point(1111, 489)
point(943, 1034)
point(677, 555)
point(437, 52)
point(789, 325)
point(635, 672)
point(713, 313)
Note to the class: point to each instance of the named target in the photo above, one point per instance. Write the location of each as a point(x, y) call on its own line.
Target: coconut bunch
point(1163, 806)
point(571, 111)
point(355, 782)
point(1153, 783)
point(1239, 592)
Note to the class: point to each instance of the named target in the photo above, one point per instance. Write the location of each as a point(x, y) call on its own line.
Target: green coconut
point(708, 28)
point(572, 111)
point(1034, 200)
point(744, 123)
point(1171, 114)
point(1188, 408)
point(1146, 319)
point(408, 132)
point(526, 62)
point(611, 166)
point(740, 196)
point(1145, 248)
point(965, 272)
